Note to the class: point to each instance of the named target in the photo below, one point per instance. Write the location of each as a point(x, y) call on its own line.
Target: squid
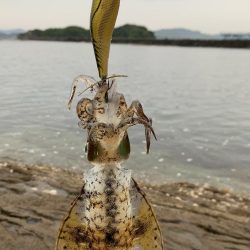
point(111, 212)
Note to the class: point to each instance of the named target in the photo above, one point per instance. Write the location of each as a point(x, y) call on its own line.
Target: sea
point(198, 99)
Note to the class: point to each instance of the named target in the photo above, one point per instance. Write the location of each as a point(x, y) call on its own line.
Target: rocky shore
point(34, 200)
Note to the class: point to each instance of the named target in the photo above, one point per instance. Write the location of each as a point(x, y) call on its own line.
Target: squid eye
point(89, 109)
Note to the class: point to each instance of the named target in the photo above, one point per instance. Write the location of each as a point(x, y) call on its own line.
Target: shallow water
point(199, 99)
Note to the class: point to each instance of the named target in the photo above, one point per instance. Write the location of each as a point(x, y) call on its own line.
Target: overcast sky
point(210, 16)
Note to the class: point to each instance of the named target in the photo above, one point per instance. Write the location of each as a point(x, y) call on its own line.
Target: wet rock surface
point(35, 199)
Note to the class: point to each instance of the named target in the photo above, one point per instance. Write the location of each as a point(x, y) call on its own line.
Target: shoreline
point(233, 44)
point(35, 199)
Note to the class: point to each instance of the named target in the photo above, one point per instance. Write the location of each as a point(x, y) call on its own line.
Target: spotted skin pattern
point(107, 116)
point(111, 212)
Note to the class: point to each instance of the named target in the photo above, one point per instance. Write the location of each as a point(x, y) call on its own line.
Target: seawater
point(198, 98)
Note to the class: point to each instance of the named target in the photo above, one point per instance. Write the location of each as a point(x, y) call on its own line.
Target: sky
point(209, 16)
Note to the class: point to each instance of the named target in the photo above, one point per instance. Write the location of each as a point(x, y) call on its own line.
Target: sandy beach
point(34, 200)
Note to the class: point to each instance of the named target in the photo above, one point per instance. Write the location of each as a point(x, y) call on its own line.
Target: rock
point(35, 199)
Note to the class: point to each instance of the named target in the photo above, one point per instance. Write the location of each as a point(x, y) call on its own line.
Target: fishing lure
point(111, 212)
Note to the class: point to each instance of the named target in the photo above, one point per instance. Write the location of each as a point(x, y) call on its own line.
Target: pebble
point(51, 191)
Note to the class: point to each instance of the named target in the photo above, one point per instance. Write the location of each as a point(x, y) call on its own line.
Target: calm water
point(199, 100)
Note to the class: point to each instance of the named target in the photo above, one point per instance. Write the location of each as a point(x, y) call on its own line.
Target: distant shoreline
point(244, 44)
point(191, 43)
point(134, 34)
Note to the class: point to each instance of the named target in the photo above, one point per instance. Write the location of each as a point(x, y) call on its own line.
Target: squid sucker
point(111, 212)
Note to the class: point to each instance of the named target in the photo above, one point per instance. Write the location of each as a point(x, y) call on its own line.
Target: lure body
point(102, 22)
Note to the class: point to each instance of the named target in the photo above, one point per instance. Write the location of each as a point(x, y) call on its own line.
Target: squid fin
point(146, 231)
point(73, 232)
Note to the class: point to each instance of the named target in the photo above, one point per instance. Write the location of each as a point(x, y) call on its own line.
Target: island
point(135, 34)
point(78, 34)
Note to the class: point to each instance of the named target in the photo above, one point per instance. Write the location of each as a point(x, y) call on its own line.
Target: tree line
point(77, 34)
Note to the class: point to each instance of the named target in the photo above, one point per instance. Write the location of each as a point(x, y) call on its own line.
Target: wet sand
point(34, 200)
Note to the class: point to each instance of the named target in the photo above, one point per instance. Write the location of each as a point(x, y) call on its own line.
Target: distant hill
point(10, 34)
point(74, 33)
point(126, 33)
point(236, 36)
point(133, 32)
point(12, 31)
point(180, 34)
